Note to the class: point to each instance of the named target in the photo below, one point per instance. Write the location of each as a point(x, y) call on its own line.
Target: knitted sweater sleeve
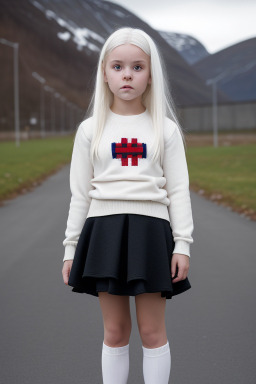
point(81, 173)
point(177, 186)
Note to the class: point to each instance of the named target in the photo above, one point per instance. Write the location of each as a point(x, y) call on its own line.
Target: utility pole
point(42, 117)
point(52, 91)
point(15, 46)
point(63, 114)
point(228, 73)
point(213, 82)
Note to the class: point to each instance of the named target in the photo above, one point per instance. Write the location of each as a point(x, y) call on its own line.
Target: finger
point(181, 275)
point(66, 276)
point(173, 268)
point(177, 279)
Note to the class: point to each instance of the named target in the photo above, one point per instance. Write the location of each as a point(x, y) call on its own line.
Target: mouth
point(127, 87)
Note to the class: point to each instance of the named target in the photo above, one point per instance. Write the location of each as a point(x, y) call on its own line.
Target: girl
point(130, 220)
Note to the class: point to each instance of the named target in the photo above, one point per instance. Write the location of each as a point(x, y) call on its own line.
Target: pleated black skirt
point(125, 254)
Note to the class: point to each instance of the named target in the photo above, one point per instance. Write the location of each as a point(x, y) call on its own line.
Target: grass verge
point(23, 168)
point(225, 175)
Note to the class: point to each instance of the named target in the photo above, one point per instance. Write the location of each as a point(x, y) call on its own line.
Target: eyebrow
point(136, 61)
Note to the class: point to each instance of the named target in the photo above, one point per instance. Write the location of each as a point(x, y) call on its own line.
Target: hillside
point(236, 67)
point(61, 42)
point(188, 47)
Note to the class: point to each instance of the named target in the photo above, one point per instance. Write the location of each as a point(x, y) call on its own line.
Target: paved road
point(50, 334)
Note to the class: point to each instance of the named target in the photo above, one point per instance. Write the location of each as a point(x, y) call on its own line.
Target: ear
point(104, 73)
point(105, 76)
point(149, 80)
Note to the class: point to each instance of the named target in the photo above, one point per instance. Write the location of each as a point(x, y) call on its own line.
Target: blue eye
point(117, 65)
point(137, 66)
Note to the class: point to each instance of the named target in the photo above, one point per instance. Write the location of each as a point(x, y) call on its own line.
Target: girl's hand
point(66, 270)
point(180, 262)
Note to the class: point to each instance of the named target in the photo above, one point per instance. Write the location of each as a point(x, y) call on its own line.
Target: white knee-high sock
point(115, 364)
point(157, 364)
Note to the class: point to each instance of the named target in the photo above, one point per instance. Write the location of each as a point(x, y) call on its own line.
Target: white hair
point(156, 98)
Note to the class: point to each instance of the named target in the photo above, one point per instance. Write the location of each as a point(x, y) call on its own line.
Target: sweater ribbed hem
point(103, 207)
point(182, 247)
point(69, 252)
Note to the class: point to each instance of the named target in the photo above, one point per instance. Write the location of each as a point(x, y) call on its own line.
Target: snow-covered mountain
point(82, 37)
point(61, 40)
point(189, 48)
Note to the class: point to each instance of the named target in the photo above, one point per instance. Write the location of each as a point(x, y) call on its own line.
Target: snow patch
point(50, 14)
point(81, 36)
point(64, 35)
point(38, 5)
point(118, 13)
point(61, 22)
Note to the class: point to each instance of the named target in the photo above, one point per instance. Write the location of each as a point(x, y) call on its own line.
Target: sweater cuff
point(69, 252)
point(182, 247)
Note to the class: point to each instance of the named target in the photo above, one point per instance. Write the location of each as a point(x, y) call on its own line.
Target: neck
point(127, 108)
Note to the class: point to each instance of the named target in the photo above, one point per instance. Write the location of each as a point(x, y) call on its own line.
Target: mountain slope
point(189, 48)
point(236, 67)
point(61, 41)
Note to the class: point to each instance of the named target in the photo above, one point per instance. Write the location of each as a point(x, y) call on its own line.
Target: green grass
point(229, 171)
point(32, 161)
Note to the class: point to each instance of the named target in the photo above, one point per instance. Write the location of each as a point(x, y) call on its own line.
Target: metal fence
point(230, 116)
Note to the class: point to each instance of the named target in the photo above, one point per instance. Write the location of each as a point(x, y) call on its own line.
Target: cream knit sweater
point(125, 179)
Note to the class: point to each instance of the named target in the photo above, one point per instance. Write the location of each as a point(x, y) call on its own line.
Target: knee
point(152, 336)
point(118, 334)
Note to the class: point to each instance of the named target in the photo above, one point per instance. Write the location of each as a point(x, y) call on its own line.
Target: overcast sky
point(217, 24)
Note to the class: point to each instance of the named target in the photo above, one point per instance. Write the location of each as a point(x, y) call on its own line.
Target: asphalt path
point(50, 334)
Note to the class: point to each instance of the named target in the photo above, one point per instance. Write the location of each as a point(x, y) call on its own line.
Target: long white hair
point(156, 98)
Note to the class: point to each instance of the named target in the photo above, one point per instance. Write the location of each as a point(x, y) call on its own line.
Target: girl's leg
point(117, 329)
point(150, 311)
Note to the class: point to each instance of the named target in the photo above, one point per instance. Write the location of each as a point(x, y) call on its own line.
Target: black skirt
point(125, 254)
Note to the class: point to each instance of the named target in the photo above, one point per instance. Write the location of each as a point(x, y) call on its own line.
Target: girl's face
point(127, 72)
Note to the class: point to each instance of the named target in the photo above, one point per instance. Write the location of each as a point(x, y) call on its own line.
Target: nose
point(127, 74)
